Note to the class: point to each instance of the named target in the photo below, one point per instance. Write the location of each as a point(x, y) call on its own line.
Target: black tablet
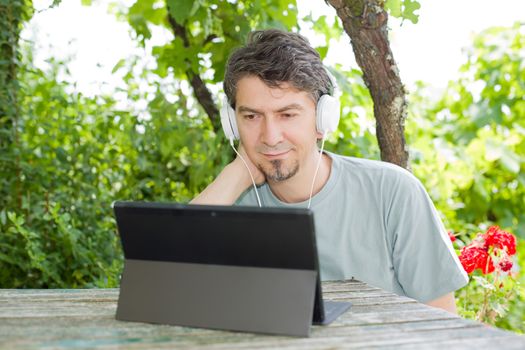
point(212, 258)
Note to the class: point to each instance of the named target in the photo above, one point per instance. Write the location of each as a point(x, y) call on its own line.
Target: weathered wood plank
point(237, 341)
point(357, 294)
point(64, 319)
point(346, 286)
point(95, 333)
point(8, 295)
point(507, 343)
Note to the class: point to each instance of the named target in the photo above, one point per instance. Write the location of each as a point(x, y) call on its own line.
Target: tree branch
point(200, 89)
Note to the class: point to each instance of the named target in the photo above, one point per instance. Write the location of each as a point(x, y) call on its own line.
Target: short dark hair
point(276, 56)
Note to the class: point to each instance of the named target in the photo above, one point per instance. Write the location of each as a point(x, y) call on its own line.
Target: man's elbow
point(446, 302)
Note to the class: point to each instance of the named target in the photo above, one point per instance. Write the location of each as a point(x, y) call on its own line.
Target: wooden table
point(85, 319)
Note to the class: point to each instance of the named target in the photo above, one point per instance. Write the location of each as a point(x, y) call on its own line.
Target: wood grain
point(85, 319)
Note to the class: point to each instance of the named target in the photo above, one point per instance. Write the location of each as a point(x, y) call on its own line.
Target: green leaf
point(409, 8)
point(119, 65)
point(323, 50)
point(86, 2)
point(394, 7)
point(12, 217)
point(181, 10)
point(499, 308)
point(7, 259)
point(3, 218)
point(484, 283)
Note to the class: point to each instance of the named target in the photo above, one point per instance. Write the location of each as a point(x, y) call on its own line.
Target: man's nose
point(271, 134)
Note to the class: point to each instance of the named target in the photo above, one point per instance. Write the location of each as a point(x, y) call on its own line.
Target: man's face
point(277, 127)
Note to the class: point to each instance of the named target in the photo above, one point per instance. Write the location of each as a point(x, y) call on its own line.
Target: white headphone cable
point(251, 176)
point(255, 186)
point(316, 171)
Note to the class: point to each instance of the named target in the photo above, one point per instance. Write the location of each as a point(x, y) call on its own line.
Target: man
point(374, 220)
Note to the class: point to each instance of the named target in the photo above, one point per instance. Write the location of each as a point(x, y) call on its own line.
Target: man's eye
point(289, 115)
point(250, 116)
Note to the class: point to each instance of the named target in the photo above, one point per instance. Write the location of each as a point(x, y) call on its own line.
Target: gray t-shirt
point(375, 222)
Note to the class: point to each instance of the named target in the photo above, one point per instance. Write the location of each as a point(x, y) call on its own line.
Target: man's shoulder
point(382, 180)
point(378, 176)
point(370, 167)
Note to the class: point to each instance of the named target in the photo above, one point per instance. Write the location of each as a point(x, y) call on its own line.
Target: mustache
point(280, 147)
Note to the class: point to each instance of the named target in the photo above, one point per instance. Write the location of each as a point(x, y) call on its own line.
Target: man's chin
point(278, 172)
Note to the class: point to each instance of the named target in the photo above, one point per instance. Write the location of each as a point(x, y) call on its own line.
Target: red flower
point(473, 257)
point(505, 265)
point(497, 238)
point(451, 236)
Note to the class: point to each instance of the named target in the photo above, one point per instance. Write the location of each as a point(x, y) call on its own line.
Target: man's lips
point(273, 155)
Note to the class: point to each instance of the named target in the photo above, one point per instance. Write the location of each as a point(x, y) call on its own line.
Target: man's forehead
point(254, 94)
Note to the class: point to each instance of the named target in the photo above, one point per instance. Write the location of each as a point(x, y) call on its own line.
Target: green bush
point(474, 138)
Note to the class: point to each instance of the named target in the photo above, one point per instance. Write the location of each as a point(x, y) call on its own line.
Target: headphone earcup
point(328, 114)
point(228, 121)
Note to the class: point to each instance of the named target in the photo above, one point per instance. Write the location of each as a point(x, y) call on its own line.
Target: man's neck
point(297, 188)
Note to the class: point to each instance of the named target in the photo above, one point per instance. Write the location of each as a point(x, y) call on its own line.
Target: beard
point(278, 172)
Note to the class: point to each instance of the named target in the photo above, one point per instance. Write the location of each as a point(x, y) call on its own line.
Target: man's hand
point(257, 174)
point(233, 180)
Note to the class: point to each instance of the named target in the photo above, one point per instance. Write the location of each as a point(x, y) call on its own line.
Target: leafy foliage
point(474, 137)
point(12, 15)
point(56, 227)
point(76, 155)
point(212, 29)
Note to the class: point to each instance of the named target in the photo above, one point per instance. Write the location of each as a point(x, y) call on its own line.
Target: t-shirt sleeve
point(423, 257)
point(247, 198)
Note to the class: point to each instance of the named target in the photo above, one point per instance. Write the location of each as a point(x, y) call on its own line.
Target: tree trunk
point(365, 22)
point(10, 26)
point(12, 15)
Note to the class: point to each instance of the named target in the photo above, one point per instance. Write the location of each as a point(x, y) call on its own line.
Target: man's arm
point(227, 186)
point(447, 302)
point(233, 180)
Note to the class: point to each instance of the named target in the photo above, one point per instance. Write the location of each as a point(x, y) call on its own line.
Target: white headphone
point(327, 116)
